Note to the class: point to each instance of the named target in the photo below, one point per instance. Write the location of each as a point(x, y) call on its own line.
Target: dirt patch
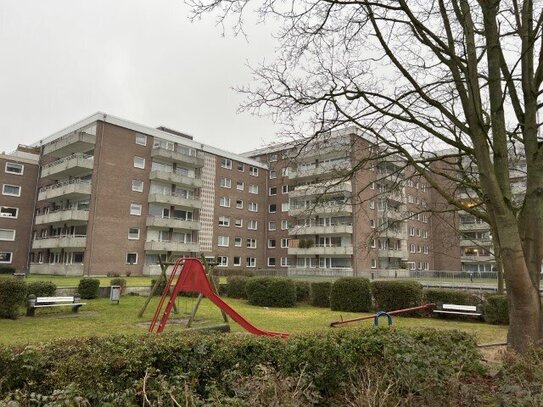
point(493, 356)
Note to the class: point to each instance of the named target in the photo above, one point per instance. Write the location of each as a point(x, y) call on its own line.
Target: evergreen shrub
point(42, 288)
point(88, 288)
point(12, 296)
point(391, 295)
point(496, 309)
point(351, 294)
point(271, 292)
point(236, 286)
point(320, 294)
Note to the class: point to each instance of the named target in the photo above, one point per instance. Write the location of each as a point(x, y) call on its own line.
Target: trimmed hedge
point(88, 288)
point(496, 309)
point(110, 370)
point(236, 286)
point(271, 292)
point(303, 289)
point(42, 288)
point(12, 296)
point(443, 296)
point(119, 281)
point(7, 270)
point(391, 295)
point(351, 294)
point(320, 294)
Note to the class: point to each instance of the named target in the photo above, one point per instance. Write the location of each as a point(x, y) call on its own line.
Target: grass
point(99, 317)
point(62, 281)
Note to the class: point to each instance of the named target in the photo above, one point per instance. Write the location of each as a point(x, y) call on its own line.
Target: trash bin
point(115, 294)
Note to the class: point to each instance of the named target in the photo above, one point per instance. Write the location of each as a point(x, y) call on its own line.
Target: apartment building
point(18, 178)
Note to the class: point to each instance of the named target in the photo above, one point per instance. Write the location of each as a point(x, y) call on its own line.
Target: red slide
point(193, 278)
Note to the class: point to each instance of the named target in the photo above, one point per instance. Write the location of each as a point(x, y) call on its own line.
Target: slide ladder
point(191, 277)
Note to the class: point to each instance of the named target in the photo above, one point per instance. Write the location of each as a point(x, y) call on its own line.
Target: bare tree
point(420, 76)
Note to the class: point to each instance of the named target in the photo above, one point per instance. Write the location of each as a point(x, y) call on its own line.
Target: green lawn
point(62, 281)
point(99, 317)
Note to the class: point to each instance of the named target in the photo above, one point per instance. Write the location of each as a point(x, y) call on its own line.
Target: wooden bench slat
point(458, 307)
point(71, 304)
point(54, 299)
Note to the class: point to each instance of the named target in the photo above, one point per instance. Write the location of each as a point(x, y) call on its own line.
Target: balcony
point(334, 170)
point(166, 223)
point(475, 242)
point(321, 271)
point(71, 216)
point(72, 189)
point(339, 209)
point(391, 253)
point(60, 242)
point(75, 165)
point(172, 246)
point(345, 229)
point(164, 154)
point(70, 144)
point(320, 189)
point(476, 259)
point(175, 200)
point(329, 147)
point(394, 214)
point(393, 233)
point(474, 226)
point(321, 250)
point(57, 269)
point(176, 179)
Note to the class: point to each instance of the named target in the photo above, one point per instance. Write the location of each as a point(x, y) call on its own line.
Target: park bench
point(457, 309)
point(46, 302)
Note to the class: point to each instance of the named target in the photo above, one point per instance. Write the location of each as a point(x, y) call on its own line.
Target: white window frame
point(249, 223)
point(126, 258)
point(373, 263)
point(226, 182)
point(240, 185)
point(141, 139)
point(270, 246)
point(220, 262)
point(272, 225)
point(253, 189)
point(274, 261)
point(240, 225)
point(285, 262)
point(223, 241)
point(135, 187)
point(226, 163)
point(225, 220)
point(22, 166)
point(250, 243)
point(238, 264)
point(251, 262)
point(13, 186)
point(9, 217)
point(139, 162)
point(270, 210)
point(9, 230)
point(238, 241)
point(253, 171)
point(252, 207)
point(241, 167)
point(270, 193)
point(224, 201)
point(134, 238)
point(284, 243)
point(135, 209)
point(273, 174)
point(284, 224)
point(239, 203)
point(10, 257)
point(285, 206)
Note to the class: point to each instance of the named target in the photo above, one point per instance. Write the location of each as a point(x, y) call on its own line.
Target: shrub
point(320, 294)
point(351, 294)
point(7, 270)
point(271, 292)
point(303, 289)
point(160, 288)
point(496, 310)
point(88, 288)
point(42, 288)
point(119, 281)
point(234, 272)
point(443, 296)
point(236, 286)
point(391, 295)
point(12, 296)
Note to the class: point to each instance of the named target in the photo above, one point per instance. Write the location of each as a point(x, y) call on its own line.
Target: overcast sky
point(63, 60)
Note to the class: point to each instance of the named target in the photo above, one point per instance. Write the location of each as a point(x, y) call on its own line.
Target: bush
point(236, 285)
point(88, 288)
point(234, 272)
point(391, 295)
point(271, 292)
point(119, 281)
point(42, 288)
point(303, 289)
point(351, 294)
point(160, 288)
point(320, 294)
point(12, 296)
point(7, 270)
point(109, 370)
point(443, 296)
point(496, 309)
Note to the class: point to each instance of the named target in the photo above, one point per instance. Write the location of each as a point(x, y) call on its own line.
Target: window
point(137, 185)
point(239, 203)
point(240, 185)
point(251, 243)
point(285, 206)
point(425, 218)
point(253, 171)
point(273, 174)
point(11, 190)
point(226, 163)
point(372, 204)
point(237, 261)
point(418, 232)
point(272, 157)
point(224, 201)
point(139, 162)
point(272, 191)
point(222, 261)
point(131, 258)
point(425, 249)
point(7, 234)
point(253, 189)
point(372, 185)
point(133, 233)
point(425, 234)
point(271, 261)
point(272, 225)
point(252, 225)
point(373, 263)
point(286, 171)
point(372, 223)
point(271, 243)
point(237, 241)
point(226, 182)
point(411, 231)
point(238, 223)
point(285, 262)
point(223, 241)
point(419, 249)
point(250, 261)
point(285, 189)
point(141, 139)
point(224, 220)
point(284, 243)
point(6, 257)
point(372, 243)
point(412, 248)
point(15, 168)
point(253, 207)
point(273, 208)
point(241, 167)
point(135, 209)
point(284, 224)
point(7, 212)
